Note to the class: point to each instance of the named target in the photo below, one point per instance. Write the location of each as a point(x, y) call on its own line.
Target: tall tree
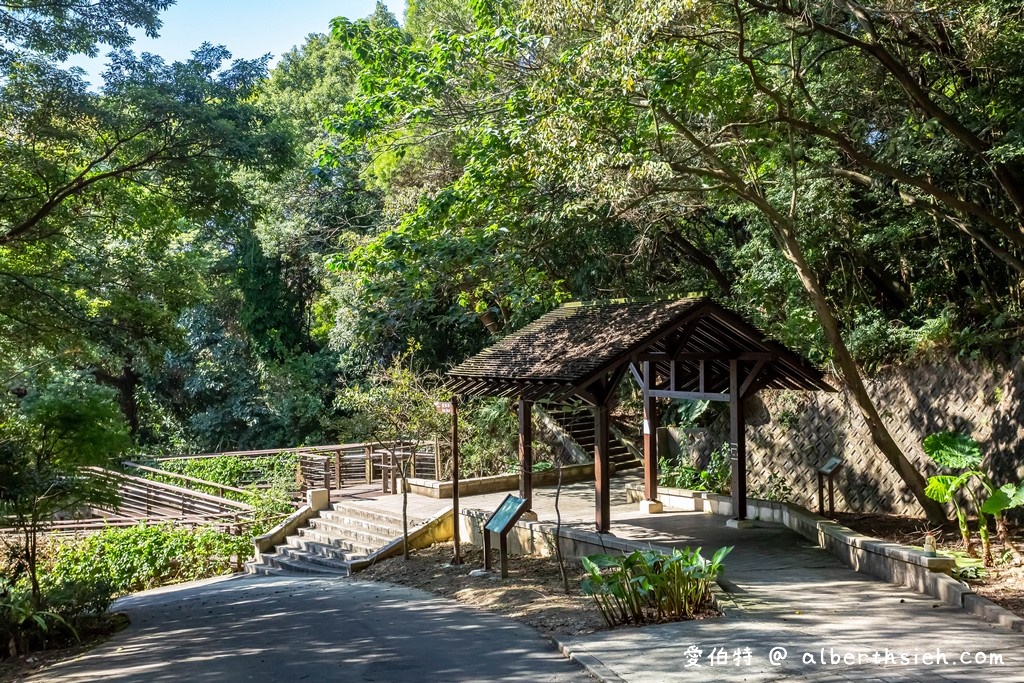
point(788, 126)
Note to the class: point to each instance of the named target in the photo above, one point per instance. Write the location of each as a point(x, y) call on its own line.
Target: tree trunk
point(880, 435)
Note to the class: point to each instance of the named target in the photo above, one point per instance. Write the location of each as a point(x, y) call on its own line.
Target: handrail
point(183, 477)
point(274, 451)
point(169, 488)
point(267, 451)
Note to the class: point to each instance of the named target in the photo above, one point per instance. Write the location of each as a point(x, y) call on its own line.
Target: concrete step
point(356, 512)
point(293, 565)
point(340, 550)
point(342, 530)
point(315, 559)
point(628, 465)
point(345, 545)
point(382, 525)
point(258, 568)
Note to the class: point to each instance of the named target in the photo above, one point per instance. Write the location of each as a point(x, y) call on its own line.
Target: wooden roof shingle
point(565, 349)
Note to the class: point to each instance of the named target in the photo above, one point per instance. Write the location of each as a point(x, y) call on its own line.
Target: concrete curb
point(897, 564)
point(593, 665)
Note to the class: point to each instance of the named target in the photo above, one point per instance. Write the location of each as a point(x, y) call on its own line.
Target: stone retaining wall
point(792, 433)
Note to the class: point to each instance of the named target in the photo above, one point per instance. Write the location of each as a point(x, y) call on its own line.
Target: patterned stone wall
point(793, 433)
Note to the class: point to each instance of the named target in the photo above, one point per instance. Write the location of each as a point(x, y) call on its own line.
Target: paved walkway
point(788, 594)
point(285, 629)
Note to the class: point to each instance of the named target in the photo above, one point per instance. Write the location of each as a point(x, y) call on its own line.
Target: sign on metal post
point(501, 522)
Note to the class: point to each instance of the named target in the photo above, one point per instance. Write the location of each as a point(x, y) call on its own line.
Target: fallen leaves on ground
point(533, 593)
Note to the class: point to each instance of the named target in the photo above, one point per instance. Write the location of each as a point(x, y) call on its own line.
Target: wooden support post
point(437, 459)
point(368, 452)
point(457, 559)
point(602, 475)
point(650, 435)
point(393, 470)
point(526, 452)
point(337, 468)
point(738, 447)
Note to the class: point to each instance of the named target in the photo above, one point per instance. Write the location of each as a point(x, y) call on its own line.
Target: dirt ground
point(1003, 584)
point(533, 593)
point(16, 668)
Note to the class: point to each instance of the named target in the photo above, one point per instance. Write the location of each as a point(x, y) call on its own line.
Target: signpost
point(501, 522)
point(452, 408)
point(828, 470)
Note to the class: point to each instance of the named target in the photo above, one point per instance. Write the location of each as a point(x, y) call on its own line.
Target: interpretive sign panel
point(830, 466)
point(506, 515)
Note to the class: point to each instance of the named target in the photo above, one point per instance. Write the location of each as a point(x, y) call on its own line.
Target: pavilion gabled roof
point(564, 351)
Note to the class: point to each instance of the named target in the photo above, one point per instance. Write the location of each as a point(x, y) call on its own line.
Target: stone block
point(318, 499)
point(948, 589)
point(740, 523)
point(651, 507)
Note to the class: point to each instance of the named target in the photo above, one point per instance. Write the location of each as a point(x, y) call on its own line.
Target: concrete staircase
point(578, 423)
point(331, 542)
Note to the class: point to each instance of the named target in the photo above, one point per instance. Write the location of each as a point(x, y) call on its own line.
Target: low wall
point(437, 529)
point(316, 500)
point(500, 482)
point(538, 538)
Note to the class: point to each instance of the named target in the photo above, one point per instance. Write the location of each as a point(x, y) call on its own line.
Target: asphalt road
point(298, 629)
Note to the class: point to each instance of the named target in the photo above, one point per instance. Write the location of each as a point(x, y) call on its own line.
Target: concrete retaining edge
point(316, 500)
point(538, 538)
point(892, 562)
point(437, 529)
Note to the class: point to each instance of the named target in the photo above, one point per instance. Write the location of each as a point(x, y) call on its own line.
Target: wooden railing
point(146, 498)
point(220, 488)
point(335, 465)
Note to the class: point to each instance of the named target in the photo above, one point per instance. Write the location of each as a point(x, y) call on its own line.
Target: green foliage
point(967, 568)
point(953, 450)
point(63, 29)
point(22, 621)
point(1004, 498)
point(489, 437)
point(958, 451)
point(684, 414)
point(267, 480)
point(396, 405)
point(775, 488)
point(648, 587)
point(237, 471)
point(715, 478)
point(145, 556)
point(231, 398)
point(47, 437)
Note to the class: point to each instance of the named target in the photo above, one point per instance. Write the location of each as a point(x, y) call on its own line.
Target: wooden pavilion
point(688, 348)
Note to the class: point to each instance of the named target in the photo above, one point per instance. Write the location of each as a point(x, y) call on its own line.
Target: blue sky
point(249, 28)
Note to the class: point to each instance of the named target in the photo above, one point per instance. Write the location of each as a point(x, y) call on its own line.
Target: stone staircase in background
point(578, 422)
point(331, 542)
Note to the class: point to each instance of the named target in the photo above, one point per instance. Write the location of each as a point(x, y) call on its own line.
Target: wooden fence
point(337, 465)
point(145, 498)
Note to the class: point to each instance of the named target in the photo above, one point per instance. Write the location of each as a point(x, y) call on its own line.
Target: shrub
point(715, 478)
point(234, 471)
point(649, 587)
point(145, 556)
